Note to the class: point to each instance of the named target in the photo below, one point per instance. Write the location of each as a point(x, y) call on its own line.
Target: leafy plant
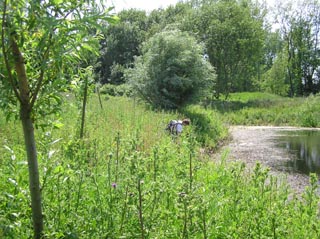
point(39, 44)
point(128, 179)
point(181, 73)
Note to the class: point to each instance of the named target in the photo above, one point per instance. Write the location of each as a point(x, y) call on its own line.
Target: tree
point(39, 41)
point(272, 47)
point(119, 45)
point(233, 34)
point(176, 15)
point(275, 80)
point(171, 71)
point(300, 31)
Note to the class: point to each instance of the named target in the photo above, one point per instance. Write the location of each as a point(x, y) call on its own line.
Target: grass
point(128, 179)
point(267, 109)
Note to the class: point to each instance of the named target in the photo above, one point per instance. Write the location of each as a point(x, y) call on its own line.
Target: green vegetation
point(181, 73)
point(45, 46)
point(109, 169)
point(268, 109)
point(128, 179)
point(250, 45)
point(210, 130)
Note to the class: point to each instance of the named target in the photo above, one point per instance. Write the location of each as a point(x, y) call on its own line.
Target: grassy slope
point(268, 109)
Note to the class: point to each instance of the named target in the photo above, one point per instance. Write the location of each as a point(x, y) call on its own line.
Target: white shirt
point(179, 127)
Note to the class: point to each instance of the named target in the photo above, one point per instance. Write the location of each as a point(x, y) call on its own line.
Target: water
point(304, 146)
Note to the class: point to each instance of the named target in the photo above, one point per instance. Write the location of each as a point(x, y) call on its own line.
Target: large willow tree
point(172, 70)
point(40, 42)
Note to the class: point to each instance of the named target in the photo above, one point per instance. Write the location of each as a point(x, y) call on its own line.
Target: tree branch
point(5, 56)
point(41, 77)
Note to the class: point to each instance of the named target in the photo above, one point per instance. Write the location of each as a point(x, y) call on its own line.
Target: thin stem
point(190, 172)
point(124, 210)
point(117, 155)
point(140, 210)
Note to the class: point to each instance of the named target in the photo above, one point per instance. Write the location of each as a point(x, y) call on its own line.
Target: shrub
point(210, 130)
point(171, 70)
point(116, 90)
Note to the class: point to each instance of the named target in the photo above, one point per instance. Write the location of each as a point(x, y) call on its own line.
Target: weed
point(128, 179)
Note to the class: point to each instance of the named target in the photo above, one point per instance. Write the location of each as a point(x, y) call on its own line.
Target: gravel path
point(250, 144)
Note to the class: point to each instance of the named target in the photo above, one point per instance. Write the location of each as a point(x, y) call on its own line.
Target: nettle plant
point(41, 44)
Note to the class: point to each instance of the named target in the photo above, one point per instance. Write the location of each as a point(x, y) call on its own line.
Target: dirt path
point(255, 143)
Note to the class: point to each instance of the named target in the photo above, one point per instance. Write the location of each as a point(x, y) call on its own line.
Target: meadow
point(268, 109)
point(127, 178)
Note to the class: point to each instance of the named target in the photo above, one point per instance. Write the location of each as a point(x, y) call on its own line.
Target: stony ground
point(250, 144)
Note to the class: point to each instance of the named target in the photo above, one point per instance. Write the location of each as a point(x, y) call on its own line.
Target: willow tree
point(40, 42)
point(171, 71)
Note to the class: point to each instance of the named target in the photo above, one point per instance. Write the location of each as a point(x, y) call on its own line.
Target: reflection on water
point(305, 147)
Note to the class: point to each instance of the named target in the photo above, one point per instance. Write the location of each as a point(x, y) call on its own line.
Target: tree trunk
point(99, 96)
point(29, 139)
point(289, 68)
point(34, 183)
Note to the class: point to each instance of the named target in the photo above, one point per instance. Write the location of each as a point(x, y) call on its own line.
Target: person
point(176, 126)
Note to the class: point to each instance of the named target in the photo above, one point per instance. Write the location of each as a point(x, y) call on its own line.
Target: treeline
point(250, 46)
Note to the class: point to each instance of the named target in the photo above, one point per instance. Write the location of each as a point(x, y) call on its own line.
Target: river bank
point(252, 144)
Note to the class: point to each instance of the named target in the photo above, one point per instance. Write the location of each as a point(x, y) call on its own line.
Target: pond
point(304, 147)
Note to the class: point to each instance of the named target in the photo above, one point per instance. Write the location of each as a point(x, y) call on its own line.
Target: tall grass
point(129, 179)
point(267, 109)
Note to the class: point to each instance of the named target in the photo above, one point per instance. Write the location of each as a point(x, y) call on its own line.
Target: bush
point(171, 70)
point(116, 90)
point(210, 130)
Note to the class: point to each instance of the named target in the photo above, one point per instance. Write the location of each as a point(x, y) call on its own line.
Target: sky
point(147, 5)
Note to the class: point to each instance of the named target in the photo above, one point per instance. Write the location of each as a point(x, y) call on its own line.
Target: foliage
point(209, 129)
point(119, 45)
point(42, 44)
point(171, 70)
point(116, 90)
point(268, 109)
point(50, 45)
point(128, 179)
point(275, 79)
point(300, 30)
point(233, 34)
point(122, 42)
point(178, 15)
point(240, 43)
point(272, 47)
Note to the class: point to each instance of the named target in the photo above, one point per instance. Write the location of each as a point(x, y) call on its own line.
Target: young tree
point(39, 41)
point(172, 70)
point(275, 80)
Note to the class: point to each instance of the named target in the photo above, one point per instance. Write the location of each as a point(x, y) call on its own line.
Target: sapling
point(39, 44)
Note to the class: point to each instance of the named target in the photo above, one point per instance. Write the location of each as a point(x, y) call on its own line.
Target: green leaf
point(58, 125)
